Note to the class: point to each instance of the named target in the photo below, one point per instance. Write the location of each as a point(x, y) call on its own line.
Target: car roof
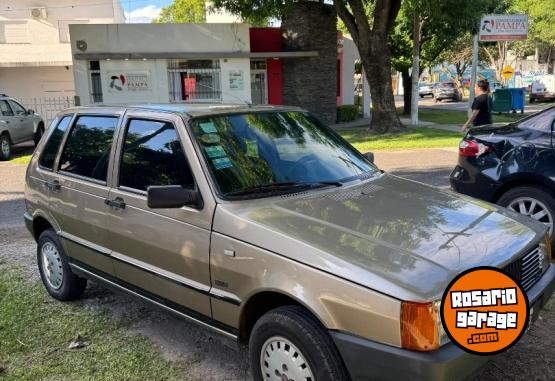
point(191, 109)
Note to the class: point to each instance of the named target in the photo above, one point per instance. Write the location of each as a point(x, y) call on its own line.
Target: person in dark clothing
point(481, 107)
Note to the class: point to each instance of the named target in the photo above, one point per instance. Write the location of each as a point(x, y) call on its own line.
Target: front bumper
point(368, 360)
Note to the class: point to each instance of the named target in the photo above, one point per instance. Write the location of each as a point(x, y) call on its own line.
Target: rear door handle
point(117, 203)
point(53, 185)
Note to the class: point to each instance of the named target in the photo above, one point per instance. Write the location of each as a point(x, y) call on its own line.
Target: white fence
point(48, 107)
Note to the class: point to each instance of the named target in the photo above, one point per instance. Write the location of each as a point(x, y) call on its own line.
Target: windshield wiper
point(280, 186)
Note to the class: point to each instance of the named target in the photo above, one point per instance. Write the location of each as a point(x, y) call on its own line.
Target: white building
point(35, 51)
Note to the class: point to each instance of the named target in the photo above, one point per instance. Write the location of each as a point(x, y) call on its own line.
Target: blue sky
point(143, 10)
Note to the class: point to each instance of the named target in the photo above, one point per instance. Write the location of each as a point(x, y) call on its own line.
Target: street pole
point(415, 75)
point(473, 73)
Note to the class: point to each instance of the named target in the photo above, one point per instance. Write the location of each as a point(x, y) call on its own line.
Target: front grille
point(527, 270)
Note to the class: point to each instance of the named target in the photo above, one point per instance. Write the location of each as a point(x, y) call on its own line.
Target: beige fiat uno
point(264, 225)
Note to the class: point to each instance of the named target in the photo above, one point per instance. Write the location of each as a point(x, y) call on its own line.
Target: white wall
point(231, 68)
point(31, 82)
point(350, 55)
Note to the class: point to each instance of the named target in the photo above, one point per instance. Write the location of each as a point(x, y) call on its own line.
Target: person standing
point(481, 107)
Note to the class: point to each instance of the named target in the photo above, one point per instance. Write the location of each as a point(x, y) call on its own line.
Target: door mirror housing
point(172, 196)
point(369, 156)
point(30, 112)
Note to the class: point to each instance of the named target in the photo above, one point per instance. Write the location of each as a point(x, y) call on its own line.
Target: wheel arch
point(520, 181)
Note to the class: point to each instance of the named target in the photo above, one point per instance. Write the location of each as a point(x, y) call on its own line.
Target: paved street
point(207, 356)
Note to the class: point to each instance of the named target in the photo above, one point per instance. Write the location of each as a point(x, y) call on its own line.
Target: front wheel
point(38, 134)
point(287, 343)
point(534, 202)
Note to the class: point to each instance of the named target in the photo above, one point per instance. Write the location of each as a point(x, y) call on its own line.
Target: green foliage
point(183, 11)
point(422, 137)
point(35, 331)
point(347, 113)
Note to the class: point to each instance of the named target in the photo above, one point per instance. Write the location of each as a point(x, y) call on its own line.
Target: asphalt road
point(205, 356)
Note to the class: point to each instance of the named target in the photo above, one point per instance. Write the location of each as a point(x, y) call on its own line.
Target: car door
point(8, 121)
point(24, 122)
point(164, 252)
point(77, 200)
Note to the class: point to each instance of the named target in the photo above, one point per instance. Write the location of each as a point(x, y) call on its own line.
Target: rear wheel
point(534, 202)
point(54, 269)
point(287, 343)
point(5, 147)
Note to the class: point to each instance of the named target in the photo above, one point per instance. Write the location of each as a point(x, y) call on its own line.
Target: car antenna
point(249, 104)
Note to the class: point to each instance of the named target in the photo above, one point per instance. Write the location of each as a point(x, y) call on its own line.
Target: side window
point(5, 109)
point(88, 146)
point(17, 108)
point(51, 147)
point(152, 155)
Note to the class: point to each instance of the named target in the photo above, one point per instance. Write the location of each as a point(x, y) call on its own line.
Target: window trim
point(64, 144)
point(51, 129)
point(10, 101)
point(117, 165)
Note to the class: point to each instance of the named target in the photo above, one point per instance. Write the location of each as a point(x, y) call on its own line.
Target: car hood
point(396, 236)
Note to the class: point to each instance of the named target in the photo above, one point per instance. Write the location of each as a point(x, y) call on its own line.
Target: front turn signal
point(420, 326)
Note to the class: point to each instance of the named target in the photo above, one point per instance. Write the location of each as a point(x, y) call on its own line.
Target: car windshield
point(260, 152)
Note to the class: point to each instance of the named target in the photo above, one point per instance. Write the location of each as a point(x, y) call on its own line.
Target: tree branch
point(360, 16)
point(347, 18)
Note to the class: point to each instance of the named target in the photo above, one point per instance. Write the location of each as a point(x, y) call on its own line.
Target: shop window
point(194, 80)
point(95, 82)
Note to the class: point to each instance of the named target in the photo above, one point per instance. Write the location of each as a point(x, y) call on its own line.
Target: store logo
point(117, 82)
point(484, 311)
point(487, 25)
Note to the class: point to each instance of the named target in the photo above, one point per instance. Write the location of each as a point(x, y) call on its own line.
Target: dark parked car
point(512, 165)
point(447, 90)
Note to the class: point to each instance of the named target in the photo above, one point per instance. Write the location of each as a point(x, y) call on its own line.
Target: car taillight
point(420, 326)
point(470, 148)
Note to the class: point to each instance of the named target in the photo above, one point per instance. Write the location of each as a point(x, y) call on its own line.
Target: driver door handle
point(117, 203)
point(53, 185)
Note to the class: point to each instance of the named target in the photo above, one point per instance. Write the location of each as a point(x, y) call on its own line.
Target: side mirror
point(30, 112)
point(369, 156)
point(172, 196)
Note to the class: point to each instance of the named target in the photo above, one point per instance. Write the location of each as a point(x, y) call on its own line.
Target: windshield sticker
point(210, 138)
point(252, 148)
point(208, 127)
point(222, 163)
point(215, 151)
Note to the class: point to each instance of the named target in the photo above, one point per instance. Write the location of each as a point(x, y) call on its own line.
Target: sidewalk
point(365, 122)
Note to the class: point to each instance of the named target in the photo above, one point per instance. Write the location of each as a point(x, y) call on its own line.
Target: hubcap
point(534, 209)
point(281, 360)
point(52, 265)
point(5, 147)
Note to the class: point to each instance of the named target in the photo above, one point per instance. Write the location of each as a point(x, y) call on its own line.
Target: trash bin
point(517, 99)
point(501, 100)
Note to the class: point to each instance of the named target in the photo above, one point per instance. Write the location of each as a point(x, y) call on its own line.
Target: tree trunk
point(406, 91)
point(376, 62)
point(415, 69)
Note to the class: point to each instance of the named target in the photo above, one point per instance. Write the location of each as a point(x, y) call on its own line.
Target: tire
point(52, 259)
point(543, 198)
point(294, 328)
point(38, 134)
point(5, 147)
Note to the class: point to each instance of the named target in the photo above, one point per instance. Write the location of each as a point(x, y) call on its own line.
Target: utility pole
point(417, 26)
point(473, 73)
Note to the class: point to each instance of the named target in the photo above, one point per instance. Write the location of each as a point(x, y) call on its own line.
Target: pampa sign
point(504, 27)
point(130, 81)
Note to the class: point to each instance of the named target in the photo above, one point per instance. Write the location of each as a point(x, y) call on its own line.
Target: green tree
point(369, 23)
point(183, 11)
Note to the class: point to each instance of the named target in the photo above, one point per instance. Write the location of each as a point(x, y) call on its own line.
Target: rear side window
point(5, 109)
point(152, 155)
point(88, 146)
point(51, 147)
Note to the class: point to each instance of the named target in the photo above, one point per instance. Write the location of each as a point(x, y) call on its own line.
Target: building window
point(194, 80)
point(95, 82)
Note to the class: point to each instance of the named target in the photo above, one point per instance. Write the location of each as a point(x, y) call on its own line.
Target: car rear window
point(51, 147)
point(88, 146)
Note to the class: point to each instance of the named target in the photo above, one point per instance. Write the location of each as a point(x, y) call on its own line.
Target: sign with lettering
point(236, 81)
point(128, 81)
point(504, 27)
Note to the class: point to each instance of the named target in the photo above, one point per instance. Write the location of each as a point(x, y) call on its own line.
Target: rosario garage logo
point(117, 82)
point(484, 311)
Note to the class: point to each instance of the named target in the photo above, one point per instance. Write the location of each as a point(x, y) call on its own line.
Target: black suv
point(511, 165)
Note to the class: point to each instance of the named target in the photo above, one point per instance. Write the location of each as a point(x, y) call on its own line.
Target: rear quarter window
point(87, 151)
point(51, 147)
